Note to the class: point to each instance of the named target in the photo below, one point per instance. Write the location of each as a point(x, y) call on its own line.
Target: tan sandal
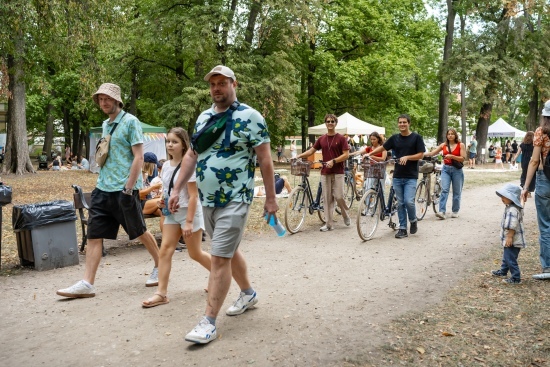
point(151, 303)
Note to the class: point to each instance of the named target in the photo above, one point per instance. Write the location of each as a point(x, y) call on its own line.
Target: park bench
point(82, 201)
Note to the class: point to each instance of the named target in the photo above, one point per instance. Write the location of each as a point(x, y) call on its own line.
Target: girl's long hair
point(528, 139)
point(377, 136)
point(457, 139)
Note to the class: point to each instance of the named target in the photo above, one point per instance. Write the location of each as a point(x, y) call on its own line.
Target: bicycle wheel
point(435, 196)
point(297, 207)
point(349, 194)
point(368, 215)
point(421, 200)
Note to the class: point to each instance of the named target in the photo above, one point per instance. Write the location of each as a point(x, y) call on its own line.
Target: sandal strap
point(160, 295)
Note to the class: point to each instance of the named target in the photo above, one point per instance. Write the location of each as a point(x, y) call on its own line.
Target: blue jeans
point(542, 202)
point(405, 190)
point(451, 175)
point(510, 262)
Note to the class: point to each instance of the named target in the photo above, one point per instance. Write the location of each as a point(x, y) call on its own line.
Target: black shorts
point(110, 210)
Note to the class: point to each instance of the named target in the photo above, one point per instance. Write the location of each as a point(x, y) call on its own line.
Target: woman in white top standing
point(293, 151)
point(188, 220)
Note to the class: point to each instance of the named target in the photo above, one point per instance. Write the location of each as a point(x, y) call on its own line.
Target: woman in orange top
point(498, 158)
point(453, 150)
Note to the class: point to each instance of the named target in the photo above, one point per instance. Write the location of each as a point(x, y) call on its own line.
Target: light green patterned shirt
point(114, 174)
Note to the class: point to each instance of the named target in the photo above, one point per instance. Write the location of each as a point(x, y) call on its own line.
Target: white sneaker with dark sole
point(203, 333)
point(243, 303)
point(440, 215)
point(78, 290)
point(325, 228)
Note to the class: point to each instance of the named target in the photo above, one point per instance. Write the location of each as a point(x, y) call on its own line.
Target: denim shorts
point(180, 217)
point(226, 226)
point(472, 155)
point(110, 210)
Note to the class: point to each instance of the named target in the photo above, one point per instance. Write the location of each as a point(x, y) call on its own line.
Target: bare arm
point(263, 151)
point(188, 164)
point(531, 169)
point(305, 154)
point(135, 169)
point(191, 209)
point(435, 151)
point(377, 150)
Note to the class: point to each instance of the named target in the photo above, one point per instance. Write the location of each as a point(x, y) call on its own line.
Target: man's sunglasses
point(330, 122)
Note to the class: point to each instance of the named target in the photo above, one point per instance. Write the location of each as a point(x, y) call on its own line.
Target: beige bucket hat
point(109, 89)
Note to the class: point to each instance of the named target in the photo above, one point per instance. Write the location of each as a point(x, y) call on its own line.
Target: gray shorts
point(225, 226)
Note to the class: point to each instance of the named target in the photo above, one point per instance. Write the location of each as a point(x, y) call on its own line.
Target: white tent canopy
point(348, 124)
point(501, 129)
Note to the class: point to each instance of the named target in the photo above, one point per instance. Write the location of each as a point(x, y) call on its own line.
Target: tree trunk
point(76, 137)
point(483, 126)
point(48, 136)
point(132, 108)
point(444, 81)
point(255, 8)
point(463, 86)
point(66, 128)
point(17, 159)
point(531, 122)
point(311, 88)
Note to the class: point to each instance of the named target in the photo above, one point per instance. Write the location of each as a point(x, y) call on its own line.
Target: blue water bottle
point(277, 226)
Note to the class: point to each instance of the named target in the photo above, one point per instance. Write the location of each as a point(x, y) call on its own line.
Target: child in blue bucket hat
point(511, 233)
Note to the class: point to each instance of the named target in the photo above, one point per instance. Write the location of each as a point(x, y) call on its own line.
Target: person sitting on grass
point(512, 236)
point(280, 183)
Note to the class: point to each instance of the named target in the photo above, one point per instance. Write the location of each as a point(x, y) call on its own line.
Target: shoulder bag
point(456, 164)
point(102, 147)
point(216, 124)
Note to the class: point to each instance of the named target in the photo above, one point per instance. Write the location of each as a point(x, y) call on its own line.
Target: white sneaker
point(243, 303)
point(440, 215)
point(203, 333)
point(325, 228)
point(153, 278)
point(454, 215)
point(78, 290)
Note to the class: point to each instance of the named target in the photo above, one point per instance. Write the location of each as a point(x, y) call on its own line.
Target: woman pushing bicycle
point(454, 155)
point(376, 140)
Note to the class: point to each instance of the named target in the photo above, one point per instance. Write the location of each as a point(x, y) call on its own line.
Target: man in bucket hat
point(226, 190)
point(512, 236)
point(115, 200)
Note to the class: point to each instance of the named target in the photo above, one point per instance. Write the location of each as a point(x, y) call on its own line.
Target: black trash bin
point(46, 234)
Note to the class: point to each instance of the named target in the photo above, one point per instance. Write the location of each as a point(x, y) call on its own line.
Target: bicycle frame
point(315, 204)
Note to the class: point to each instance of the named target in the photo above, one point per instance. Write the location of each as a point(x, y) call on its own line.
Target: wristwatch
point(126, 191)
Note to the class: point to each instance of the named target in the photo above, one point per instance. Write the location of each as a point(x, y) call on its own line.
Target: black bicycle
point(301, 200)
point(350, 184)
point(372, 206)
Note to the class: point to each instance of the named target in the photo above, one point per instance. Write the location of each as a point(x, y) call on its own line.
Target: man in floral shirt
point(225, 178)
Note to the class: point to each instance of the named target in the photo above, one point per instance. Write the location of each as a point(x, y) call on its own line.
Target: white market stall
point(154, 138)
point(501, 129)
point(348, 124)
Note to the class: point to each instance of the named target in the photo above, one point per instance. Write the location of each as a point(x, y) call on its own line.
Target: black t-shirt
point(402, 146)
point(526, 152)
point(514, 147)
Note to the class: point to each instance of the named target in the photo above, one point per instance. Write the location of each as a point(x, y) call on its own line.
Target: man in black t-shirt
point(408, 148)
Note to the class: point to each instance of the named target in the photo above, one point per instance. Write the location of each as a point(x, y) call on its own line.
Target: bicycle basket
point(425, 167)
point(374, 170)
point(300, 168)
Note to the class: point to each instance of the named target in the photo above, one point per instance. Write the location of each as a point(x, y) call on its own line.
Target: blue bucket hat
point(511, 192)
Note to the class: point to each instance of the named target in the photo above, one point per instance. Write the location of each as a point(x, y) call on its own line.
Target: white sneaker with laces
point(203, 333)
point(325, 228)
point(440, 215)
point(153, 278)
point(78, 290)
point(454, 215)
point(243, 303)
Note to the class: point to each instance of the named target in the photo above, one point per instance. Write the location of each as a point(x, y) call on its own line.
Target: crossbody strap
point(172, 179)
